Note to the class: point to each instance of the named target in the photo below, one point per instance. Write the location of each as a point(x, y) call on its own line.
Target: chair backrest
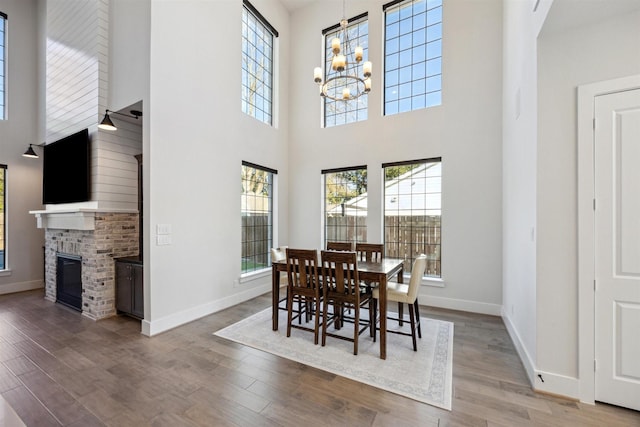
point(417, 271)
point(370, 252)
point(279, 254)
point(339, 246)
point(302, 268)
point(340, 272)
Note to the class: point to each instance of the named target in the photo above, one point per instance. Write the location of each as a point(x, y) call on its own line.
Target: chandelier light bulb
point(366, 69)
point(317, 75)
point(358, 53)
point(346, 93)
point(335, 45)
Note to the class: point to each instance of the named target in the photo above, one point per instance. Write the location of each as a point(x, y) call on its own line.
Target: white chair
point(405, 294)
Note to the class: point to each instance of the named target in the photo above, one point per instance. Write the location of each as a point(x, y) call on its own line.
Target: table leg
point(383, 316)
point(275, 296)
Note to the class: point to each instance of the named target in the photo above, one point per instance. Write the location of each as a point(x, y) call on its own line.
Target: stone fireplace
point(97, 238)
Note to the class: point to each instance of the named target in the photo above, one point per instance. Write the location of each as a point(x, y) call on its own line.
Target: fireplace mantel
point(72, 219)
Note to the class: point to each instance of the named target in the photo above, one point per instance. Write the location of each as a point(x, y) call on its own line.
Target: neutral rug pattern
point(424, 375)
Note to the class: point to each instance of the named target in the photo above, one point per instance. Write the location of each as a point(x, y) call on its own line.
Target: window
point(345, 204)
point(3, 67)
point(413, 55)
point(412, 212)
point(355, 110)
point(3, 206)
point(257, 216)
point(257, 64)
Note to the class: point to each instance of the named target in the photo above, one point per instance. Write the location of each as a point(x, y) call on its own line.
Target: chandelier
point(343, 82)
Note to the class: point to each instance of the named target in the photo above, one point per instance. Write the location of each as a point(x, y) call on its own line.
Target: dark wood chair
point(339, 246)
point(404, 294)
point(304, 288)
point(370, 251)
point(341, 287)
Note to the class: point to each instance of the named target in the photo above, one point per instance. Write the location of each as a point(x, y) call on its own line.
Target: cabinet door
point(123, 287)
point(138, 298)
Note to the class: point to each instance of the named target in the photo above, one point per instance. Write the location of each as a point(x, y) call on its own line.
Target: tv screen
point(66, 171)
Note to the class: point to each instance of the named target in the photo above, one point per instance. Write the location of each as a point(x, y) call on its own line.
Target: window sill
point(4, 273)
point(436, 282)
point(254, 275)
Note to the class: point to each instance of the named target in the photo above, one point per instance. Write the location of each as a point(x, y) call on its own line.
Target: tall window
point(257, 64)
point(412, 212)
point(257, 216)
point(3, 205)
point(354, 110)
point(413, 55)
point(345, 204)
point(3, 67)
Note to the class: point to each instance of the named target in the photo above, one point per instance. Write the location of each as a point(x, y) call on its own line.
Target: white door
point(617, 248)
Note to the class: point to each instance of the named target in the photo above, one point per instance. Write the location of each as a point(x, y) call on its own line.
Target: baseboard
point(11, 288)
point(541, 381)
point(525, 358)
point(155, 327)
point(557, 385)
point(459, 304)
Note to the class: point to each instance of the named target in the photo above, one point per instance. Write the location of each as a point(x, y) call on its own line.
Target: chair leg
point(400, 313)
point(356, 330)
point(316, 327)
point(325, 321)
point(418, 318)
point(375, 319)
point(413, 326)
point(289, 312)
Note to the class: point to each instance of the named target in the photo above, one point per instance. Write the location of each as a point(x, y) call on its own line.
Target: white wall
point(22, 127)
point(519, 121)
point(198, 137)
point(590, 53)
point(465, 131)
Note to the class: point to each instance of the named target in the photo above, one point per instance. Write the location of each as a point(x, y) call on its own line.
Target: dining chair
point(372, 252)
point(341, 287)
point(404, 294)
point(339, 246)
point(279, 254)
point(303, 287)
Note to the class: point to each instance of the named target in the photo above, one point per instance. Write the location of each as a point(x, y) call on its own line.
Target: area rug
point(424, 375)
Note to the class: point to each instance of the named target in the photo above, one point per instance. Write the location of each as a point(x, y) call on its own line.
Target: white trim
point(154, 327)
point(559, 385)
point(459, 304)
point(586, 245)
point(6, 271)
point(525, 357)
point(21, 286)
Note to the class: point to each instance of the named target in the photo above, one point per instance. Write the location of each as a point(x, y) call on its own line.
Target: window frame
point(256, 107)
point(364, 195)
point(3, 66)
point(361, 103)
point(3, 218)
point(244, 240)
point(432, 258)
point(424, 86)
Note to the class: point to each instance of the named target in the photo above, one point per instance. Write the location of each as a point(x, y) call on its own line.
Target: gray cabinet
point(129, 283)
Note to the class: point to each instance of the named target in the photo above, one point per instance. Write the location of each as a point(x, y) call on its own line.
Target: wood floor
point(58, 368)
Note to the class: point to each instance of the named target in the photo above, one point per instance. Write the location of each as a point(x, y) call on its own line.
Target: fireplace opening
point(69, 281)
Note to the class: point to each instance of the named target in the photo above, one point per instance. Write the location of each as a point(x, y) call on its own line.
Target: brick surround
point(114, 235)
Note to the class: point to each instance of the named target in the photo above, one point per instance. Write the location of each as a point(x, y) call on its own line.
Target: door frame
point(586, 226)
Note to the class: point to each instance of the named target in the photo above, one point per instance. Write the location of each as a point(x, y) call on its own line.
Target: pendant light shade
point(30, 153)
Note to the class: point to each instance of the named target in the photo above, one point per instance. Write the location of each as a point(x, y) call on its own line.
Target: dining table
point(368, 271)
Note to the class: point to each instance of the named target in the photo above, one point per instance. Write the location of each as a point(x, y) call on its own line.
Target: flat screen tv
point(66, 170)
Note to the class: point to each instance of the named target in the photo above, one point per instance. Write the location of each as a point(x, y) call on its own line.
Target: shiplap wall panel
point(77, 96)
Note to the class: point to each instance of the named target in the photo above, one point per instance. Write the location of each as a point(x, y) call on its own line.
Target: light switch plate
point(163, 229)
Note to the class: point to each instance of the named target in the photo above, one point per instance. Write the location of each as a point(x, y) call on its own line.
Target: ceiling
point(292, 5)
point(567, 14)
